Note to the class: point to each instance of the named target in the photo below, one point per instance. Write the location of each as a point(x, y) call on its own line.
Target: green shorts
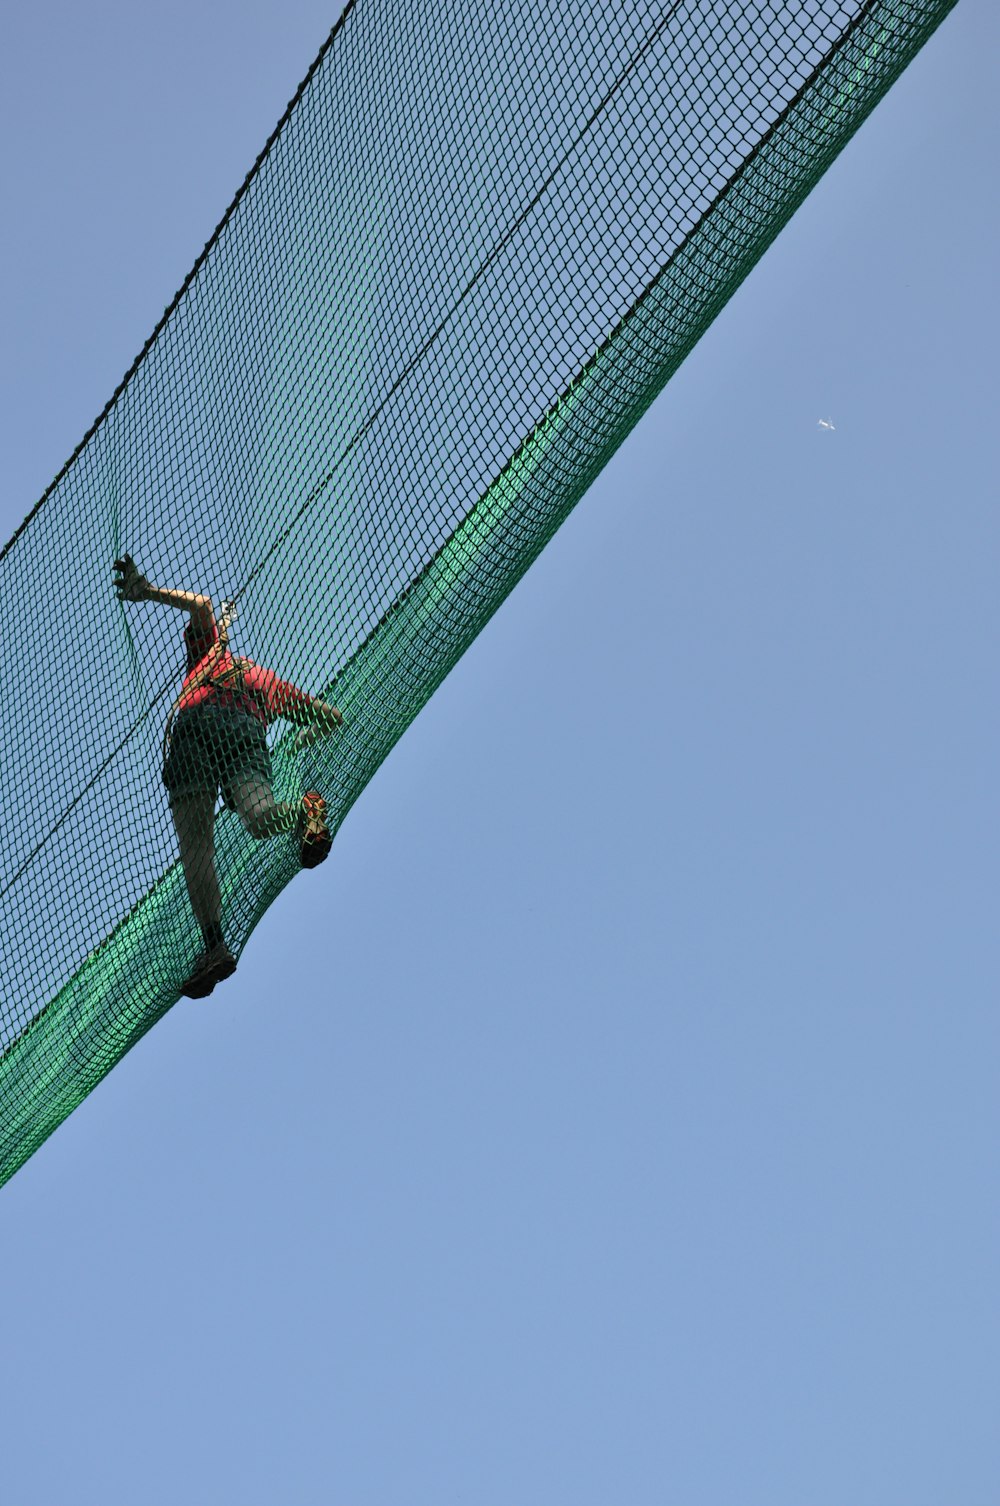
point(213, 748)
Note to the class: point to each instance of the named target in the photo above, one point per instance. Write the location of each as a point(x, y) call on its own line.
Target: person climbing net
point(216, 738)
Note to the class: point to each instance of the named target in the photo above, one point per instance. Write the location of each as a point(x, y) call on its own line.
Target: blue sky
point(613, 1118)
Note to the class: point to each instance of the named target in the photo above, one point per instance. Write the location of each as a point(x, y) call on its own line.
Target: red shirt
point(238, 683)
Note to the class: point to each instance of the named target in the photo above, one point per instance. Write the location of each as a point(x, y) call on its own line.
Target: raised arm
point(132, 585)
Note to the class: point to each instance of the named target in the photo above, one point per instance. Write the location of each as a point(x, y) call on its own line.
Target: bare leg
point(263, 816)
point(260, 813)
point(194, 819)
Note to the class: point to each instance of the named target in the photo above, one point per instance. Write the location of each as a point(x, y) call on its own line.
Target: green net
point(477, 245)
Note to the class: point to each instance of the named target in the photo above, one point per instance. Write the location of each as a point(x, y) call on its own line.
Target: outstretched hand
point(317, 730)
point(130, 583)
point(306, 736)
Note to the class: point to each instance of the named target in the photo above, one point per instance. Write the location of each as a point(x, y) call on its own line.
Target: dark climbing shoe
point(313, 833)
point(209, 969)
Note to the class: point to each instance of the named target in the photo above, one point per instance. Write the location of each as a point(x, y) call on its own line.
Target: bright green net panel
point(478, 244)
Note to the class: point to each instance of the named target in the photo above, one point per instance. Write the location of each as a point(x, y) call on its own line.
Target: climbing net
point(476, 246)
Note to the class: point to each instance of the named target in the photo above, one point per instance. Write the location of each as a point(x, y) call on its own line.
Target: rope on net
point(479, 241)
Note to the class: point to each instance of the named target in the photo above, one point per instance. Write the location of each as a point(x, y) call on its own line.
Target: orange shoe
point(313, 833)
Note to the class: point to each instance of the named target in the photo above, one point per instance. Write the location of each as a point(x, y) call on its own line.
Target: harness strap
point(205, 675)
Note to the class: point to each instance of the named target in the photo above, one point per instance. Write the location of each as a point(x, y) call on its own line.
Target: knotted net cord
point(478, 243)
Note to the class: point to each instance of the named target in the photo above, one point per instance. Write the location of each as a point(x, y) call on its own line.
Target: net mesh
point(476, 246)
